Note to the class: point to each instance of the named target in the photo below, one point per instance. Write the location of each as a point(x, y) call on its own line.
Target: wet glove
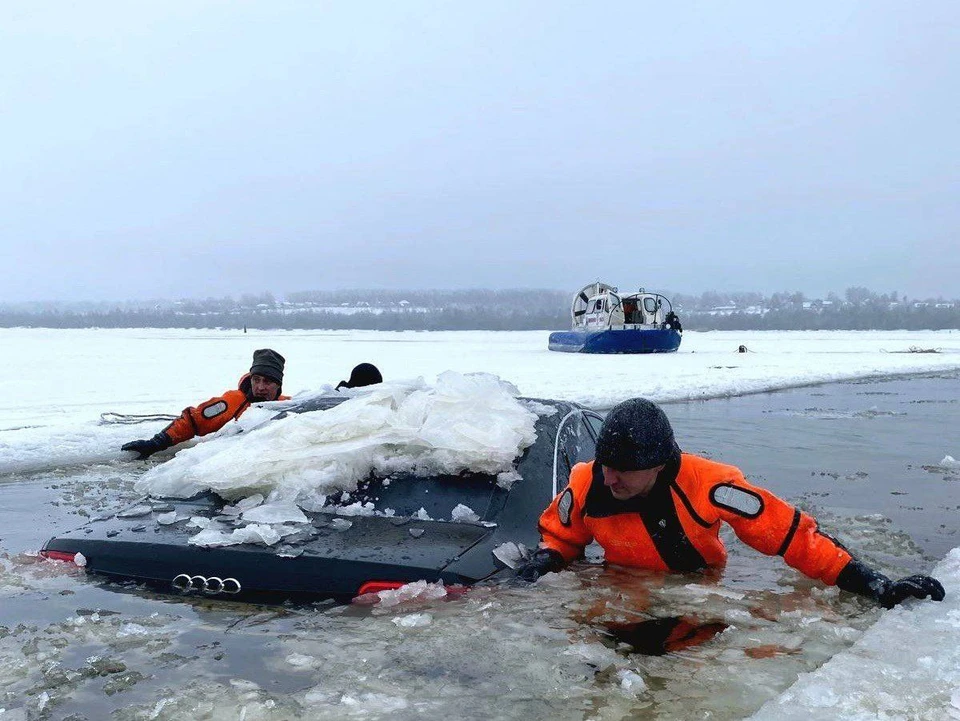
point(863, 580)
point(544, 560)
point(148, 447)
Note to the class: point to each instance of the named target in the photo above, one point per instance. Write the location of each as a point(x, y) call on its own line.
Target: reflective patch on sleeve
point(214, 409)
point(739, 500)
point(564, 506)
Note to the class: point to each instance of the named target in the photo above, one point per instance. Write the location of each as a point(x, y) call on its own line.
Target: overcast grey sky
point(199, 148)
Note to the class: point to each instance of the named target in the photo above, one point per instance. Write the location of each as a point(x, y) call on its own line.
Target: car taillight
point(377, 586)
point(367, 593)
point(67, 556)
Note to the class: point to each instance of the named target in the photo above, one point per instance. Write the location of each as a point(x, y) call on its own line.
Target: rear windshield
point(435, 497)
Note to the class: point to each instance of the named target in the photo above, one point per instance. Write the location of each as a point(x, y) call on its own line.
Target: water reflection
point(659, 636)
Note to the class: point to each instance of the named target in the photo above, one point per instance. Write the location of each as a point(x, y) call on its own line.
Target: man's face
point(263, 389)
point(627, 484)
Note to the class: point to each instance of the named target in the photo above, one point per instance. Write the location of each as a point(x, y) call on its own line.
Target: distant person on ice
point(262, 383)
point(651, 506)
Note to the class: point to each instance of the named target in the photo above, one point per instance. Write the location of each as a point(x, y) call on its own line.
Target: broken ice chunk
point(413, 620)
point(510, 554)
point(631, 681)
point(254, 533)
point(165, 519)
point(278, 512)
point(357, 509)
point(243, 504)
point(506, 479)
point(464, 514)
point(135, 512)
point(417, 591)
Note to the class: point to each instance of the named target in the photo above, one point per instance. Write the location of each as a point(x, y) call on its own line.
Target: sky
point(205, 148)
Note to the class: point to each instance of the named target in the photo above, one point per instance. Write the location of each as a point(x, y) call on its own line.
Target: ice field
point(71, 647)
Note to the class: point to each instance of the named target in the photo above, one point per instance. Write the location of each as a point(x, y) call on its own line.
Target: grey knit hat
point(268, 363)
point(636, 435)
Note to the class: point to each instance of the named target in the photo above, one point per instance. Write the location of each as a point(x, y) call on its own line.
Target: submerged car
point(344, 556)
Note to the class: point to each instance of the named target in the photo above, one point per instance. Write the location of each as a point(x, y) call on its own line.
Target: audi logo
point(211, 585)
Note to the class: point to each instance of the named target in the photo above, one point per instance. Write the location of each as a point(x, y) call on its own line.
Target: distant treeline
point(319, 310)
point(842, 318)
point(440, 319)
point(858, 309)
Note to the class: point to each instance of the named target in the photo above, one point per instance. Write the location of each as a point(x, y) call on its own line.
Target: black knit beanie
point(636, 435)
point(364, 374)
point(268, 363)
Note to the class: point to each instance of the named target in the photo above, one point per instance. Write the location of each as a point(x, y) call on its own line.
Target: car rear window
point(438, 496)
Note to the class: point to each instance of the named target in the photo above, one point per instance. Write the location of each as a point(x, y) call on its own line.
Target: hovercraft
point(606, 321)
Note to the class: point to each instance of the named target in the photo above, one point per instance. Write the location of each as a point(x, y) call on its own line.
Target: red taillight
point(456, 591)
point(367, 593)
point(59, 556)
point(377, 586)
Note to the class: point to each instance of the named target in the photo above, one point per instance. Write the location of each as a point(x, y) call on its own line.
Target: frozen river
point(866, 454)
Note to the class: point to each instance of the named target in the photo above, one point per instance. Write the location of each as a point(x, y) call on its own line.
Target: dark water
point(849, 448)
point(862, 457)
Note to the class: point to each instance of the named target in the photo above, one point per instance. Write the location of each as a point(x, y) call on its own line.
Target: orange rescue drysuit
point(675, 527)
point(213, 414)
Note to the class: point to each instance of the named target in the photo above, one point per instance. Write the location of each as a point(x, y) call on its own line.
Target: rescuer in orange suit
point(650, 506)
point(262, 383)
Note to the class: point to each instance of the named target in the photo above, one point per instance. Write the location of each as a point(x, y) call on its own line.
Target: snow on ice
point(898, 669)
point(461, 423)
point(60, 426)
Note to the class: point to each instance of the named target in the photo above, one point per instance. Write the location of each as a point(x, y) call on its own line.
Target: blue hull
point(616, 341)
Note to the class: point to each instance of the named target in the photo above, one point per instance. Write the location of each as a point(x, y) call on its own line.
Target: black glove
point(148, 447)
point(863, 580)
point(544, 560)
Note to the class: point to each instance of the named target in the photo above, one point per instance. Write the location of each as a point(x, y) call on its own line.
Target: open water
point(864, 457)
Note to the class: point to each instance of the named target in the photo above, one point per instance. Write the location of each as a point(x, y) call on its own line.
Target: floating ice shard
point(413, 620)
